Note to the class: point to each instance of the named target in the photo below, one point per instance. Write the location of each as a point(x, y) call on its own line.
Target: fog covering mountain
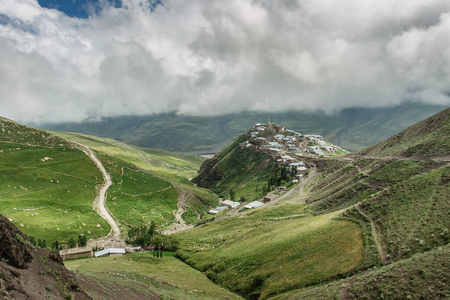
point(352, 129)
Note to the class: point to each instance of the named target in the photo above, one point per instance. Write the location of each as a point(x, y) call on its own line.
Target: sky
point(74, 60)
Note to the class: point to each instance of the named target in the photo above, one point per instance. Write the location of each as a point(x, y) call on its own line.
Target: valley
point(331, 225)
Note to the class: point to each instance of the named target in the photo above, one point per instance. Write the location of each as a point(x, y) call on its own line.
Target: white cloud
point(212, 57)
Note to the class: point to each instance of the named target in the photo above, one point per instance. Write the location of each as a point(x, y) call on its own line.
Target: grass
point(244, 171)
point(292, 252)
point(413, 215)
point(423, 276)
point(138, 197)
point(52, 199)
point(408, 200)
point(48, 199)
point(168, 277)
point(171, 167)
point(429, 137)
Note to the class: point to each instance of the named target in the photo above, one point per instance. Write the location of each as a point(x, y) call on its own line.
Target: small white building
point(254, 204)
point(110, 252)
point(213, 212)
point(230, 204)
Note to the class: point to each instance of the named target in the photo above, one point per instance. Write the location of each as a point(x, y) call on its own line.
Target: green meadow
point(50, 199)
point(141, 273)
point(137, 197)
point(423, 276)
point(174, 169)
point(267, 252)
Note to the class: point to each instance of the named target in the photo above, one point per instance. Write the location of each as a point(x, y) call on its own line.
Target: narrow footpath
point(374, 234)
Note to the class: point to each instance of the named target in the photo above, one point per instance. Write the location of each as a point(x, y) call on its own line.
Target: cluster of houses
point(286, 147)
point(278, 141)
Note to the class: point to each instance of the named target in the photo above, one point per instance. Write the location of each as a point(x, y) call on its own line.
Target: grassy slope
point(51, 199)
point(137, 197)
point(430, 137)
point(413, 215)
point(423, 276)
point(173, 167)
point(408, 200)
point(244, 171)
point(291, 252)
point(138, 273)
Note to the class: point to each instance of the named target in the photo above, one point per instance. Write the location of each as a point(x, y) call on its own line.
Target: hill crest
point(427, 138)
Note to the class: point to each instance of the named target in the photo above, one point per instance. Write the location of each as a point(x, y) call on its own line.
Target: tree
point(232, 194)
point(55, 245)
point(131, 232)
point(151, 230)
point(72, 243)
point(283, 173)
point(82, 240)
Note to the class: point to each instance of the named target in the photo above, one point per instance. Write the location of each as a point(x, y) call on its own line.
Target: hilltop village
point(285, 145)
point(289, 149)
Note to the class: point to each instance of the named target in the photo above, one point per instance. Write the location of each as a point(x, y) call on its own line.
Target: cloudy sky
point(205, 57)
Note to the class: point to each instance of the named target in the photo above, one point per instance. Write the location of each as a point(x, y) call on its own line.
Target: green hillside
point(351, 129)
point(423, 276)
point(142, 276)
point(47, 185)
point(167, 176)
point(430, 137)
point(240, 170)
point(261, 254)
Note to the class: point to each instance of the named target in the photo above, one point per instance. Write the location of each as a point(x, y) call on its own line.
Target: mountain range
point(352, 129)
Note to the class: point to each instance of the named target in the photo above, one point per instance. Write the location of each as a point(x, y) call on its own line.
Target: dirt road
point(99, 203)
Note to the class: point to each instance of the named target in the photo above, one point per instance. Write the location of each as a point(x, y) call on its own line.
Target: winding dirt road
point(99, 203)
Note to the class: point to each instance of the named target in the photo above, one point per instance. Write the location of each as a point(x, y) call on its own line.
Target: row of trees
point(82, 241)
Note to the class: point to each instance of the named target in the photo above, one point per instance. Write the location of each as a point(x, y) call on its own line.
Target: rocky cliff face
point(30, 273)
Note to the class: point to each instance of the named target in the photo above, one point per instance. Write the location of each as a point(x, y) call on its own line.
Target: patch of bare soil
point(179, 224)
point(29, 273)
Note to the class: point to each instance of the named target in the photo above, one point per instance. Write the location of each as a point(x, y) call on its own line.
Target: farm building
point(267, 198)
point(110, 252)
point(220, 208)
point(75, 253)
point(254, 204)
point(213, 212)
point(230, 204)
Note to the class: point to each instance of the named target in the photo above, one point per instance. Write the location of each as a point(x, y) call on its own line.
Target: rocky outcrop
point(15, 249)
point(27, 272)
